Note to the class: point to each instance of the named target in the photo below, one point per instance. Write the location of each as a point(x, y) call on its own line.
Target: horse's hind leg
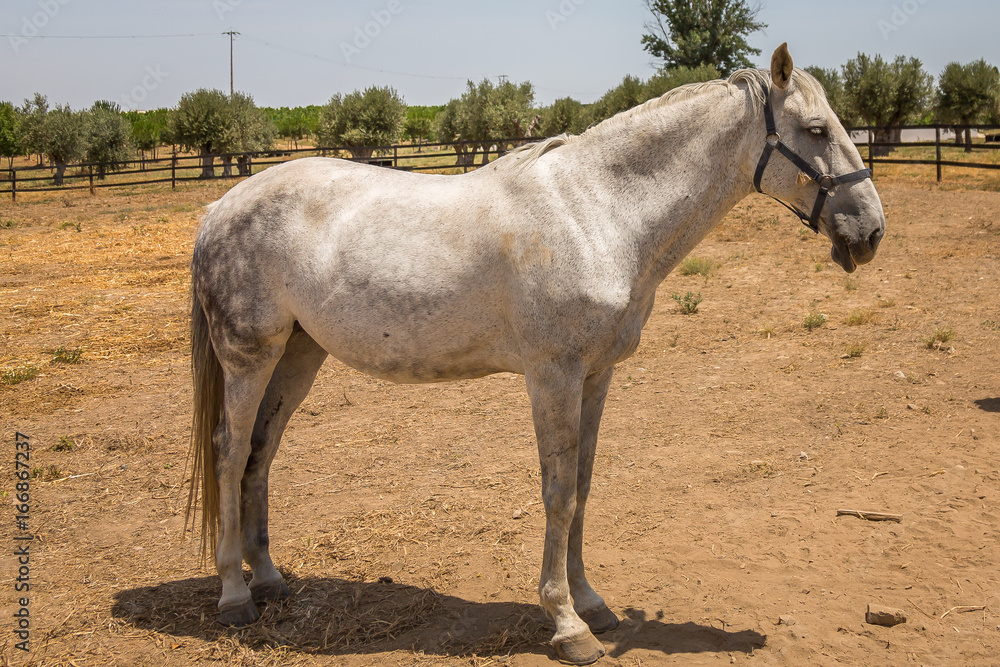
point(247, 369)
point(292, 379)
point(587, 603)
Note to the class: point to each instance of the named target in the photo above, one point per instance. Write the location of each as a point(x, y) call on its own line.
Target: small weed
point(63, 356)
point(768, 331)
point(856, 350)
point(674, 339)
point(66, 224)
point(993, 325)
point(814, 321)
point(47, 474)
point(939, 339)
point(882, 413)
point(6, 224)
point(860, 316)
point(688, 303)
point(819, 267)
point(65, 444)
point(67, 202)
point(762, 468)
point(13, 376)
point(140, 230)
point(698, 266)
point(851, 284)
point(805, 234)
point(886, 303)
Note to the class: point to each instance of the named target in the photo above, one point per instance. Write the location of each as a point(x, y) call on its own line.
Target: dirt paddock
point(407, 519)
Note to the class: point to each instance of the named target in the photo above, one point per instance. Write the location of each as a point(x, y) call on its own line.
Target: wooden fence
point(939, 145)
point(181, 168)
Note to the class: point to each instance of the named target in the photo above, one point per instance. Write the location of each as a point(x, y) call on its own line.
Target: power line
point(279, 47)
point(190, 34)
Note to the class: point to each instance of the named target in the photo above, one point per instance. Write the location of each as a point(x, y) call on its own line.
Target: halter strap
point(825, 182)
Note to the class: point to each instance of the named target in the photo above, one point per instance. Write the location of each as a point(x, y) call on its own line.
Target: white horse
point(543, 263)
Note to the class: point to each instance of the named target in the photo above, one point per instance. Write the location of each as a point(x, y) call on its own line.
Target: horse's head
point(811, 165)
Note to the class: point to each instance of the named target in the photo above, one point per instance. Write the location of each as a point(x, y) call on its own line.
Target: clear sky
point(300, 52)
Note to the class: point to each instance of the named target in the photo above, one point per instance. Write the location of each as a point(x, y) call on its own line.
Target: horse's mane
point(756, 81)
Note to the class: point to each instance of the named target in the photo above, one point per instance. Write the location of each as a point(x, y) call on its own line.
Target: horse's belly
point(404, 351)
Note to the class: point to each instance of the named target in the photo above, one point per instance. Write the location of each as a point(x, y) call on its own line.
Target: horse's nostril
point(875, 237)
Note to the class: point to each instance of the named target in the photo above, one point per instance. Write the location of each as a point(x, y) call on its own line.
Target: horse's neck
point(682, 168)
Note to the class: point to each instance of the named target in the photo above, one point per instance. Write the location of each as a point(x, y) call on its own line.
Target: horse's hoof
point(238, 615)
point(272, 592)
point(600, 620)
point(583, 649)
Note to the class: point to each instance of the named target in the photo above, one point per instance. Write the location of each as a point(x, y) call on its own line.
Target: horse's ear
point(781, 66)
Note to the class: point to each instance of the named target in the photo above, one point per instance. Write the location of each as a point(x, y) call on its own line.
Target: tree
point(200, 123)
point(833, 84)
point(691, 33)
point(565, 115)
point(248, 130)
point(11, 133)
point(627, 94)
point(109, 137)
point(417, 128)
point(886, 95)
point(967, 94)
point(509, 112)
point(149, 129)
point(486, 114)
point(673, 77)
point(65, 138)
point(33, 124)
point(362, 121)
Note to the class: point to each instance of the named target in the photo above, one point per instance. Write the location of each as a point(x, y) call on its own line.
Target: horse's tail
point(208, 390)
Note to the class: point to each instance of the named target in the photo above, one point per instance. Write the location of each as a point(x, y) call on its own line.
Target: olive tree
point(11, 133)
point(66, 134)
point(248, 130)
point(200, 123)
point(887, 94)
point(33, 113)
point(362, 121)
point(109, 137)
point(967, 94)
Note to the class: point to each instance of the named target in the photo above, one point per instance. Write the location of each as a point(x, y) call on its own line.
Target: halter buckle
point(773, 139)
point(826, 182)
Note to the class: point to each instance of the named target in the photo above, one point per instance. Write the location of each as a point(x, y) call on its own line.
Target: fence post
point(13, 184)
point(173, 171)
point(937, 146)
point(90, 175)
point(871, 151)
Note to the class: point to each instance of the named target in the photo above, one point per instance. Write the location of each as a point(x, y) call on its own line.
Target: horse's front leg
point(555, 394)
point(588, 604)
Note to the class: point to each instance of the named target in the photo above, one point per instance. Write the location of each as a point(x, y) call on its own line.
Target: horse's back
point(393, 273)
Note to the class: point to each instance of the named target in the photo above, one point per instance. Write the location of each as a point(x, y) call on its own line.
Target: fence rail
point(184, 168)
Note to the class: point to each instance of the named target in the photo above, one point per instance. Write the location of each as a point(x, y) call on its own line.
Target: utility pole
point(231, 33)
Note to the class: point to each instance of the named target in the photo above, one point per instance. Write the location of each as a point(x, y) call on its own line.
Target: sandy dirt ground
point(407, 519)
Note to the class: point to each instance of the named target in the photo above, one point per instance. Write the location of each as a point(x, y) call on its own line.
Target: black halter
point(825, 182)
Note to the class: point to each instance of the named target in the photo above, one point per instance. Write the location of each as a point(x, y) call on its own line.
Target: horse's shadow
point(337, 617)
point(989, 404)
